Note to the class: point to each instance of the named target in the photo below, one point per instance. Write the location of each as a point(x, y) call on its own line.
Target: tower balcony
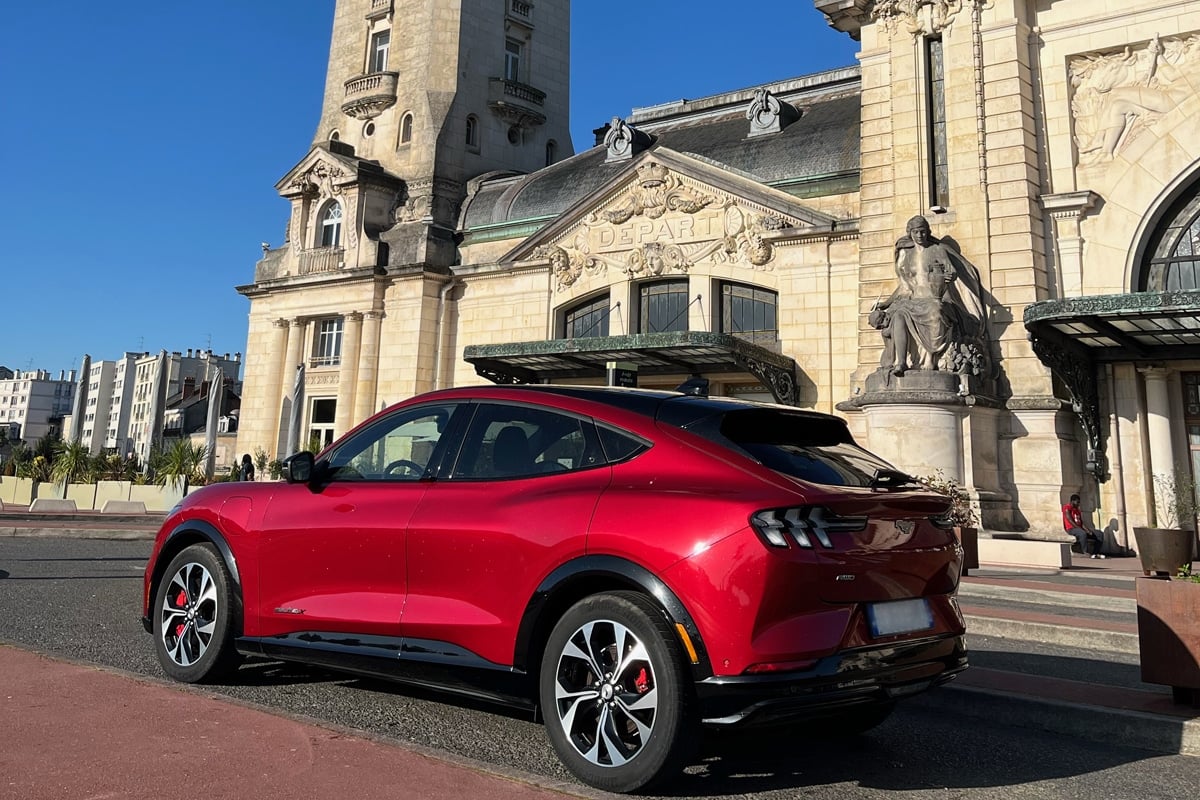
point(321, 259)
point(521, 11)
point(380, 8)
point(367, 96)
point(516, 103)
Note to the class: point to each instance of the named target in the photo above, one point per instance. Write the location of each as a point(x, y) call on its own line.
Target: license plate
point(901, 616)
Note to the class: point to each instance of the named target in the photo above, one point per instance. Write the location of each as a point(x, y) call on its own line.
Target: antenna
point(209, 337)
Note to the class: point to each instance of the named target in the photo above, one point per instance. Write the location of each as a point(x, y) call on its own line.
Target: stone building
point(443, 232)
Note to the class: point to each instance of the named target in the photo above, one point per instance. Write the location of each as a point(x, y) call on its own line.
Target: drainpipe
point(443, 293)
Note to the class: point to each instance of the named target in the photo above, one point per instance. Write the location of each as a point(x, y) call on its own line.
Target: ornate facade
point(442, 232)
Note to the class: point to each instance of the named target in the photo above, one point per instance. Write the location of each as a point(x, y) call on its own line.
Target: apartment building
point(32, 404)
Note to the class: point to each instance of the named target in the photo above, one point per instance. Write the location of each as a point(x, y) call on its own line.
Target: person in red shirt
point(1089, 541)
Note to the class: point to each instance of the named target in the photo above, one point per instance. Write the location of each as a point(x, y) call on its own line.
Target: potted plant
point(1168, 610)
point(961, 516)
point(1164, 549)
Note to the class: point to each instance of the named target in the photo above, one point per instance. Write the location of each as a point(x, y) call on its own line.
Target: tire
point(193, 617)
point(624, 724)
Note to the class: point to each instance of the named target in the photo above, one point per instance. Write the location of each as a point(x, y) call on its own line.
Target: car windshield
point(812, 448)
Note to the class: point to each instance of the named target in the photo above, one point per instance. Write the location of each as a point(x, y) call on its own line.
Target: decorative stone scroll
point(768, 114)
point(623, 141)
point(319, 179)
point(661, 226)
point(1118, 96)
point(917, 17)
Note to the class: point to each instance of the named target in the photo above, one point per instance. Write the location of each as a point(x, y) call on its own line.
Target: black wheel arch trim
point(605, 569)
point(202, 530)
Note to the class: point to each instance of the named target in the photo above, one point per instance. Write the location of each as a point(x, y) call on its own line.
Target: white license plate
point(900, 616)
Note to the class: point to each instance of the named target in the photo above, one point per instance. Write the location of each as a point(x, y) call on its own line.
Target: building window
point(662, 306)
point(935, 92)
point(589, 318)
point(472, 131)
point(749, 313)
point(327, 348)
point(512, 59)
point(331, 225)
point(1174, 251)
point(380, 43)
point(406, 129)
point(320, 429)
point(551, 152)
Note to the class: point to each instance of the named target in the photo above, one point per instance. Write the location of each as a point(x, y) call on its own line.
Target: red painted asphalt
point(73, 731)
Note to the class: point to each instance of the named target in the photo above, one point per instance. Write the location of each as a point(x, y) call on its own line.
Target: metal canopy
point(1073, 335)
point(558, 360)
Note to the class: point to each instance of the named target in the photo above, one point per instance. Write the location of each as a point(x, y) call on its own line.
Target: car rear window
point(806, 446)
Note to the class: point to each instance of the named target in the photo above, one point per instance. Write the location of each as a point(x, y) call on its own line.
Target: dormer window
point(380, 43)
point(331, 225)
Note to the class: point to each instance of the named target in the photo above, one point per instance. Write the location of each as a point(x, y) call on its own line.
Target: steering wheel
point(408, 467)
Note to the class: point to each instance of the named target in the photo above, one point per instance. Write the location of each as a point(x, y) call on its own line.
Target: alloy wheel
point(189, 613)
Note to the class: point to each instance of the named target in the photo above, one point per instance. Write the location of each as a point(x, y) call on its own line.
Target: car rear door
point(516, 504)
point(332, 554)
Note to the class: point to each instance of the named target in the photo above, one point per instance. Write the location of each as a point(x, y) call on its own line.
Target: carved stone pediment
point(319, 173)
point(660, 221)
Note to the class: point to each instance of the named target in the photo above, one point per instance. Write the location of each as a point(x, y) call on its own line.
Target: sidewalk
point(151, 740)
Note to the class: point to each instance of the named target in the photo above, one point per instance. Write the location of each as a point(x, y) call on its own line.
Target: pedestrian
point(247, 468)
point(1088, 539)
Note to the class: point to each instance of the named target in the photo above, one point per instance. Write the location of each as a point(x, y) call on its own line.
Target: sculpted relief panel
point(661, 225)
point(1119, 96)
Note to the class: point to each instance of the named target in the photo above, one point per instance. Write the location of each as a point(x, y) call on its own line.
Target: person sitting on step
point(1088, 540)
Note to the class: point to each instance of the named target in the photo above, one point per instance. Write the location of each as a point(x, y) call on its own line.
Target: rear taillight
point(944, 521)
point(803, 525)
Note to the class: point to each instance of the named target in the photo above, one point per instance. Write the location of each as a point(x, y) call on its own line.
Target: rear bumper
point(854, 677)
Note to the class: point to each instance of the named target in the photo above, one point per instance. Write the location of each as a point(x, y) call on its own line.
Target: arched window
point(551, 152)
point(1172, 262)
point(749, 313)
point(331, 225)
point(472, 131)
point(406, 129)
point(662, 306)
point(589, 318)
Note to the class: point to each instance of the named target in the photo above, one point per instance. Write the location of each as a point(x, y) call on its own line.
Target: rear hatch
point(876, 533)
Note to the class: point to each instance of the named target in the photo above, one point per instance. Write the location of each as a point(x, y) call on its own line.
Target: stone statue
point(928, 322)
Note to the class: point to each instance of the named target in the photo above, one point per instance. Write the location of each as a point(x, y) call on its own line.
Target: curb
point(1087, 638)
point(1154, 732)
point(1048, 597)
point(79, 533)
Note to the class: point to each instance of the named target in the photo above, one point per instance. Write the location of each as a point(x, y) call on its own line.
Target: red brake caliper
point(642, 682)
point(180, 601)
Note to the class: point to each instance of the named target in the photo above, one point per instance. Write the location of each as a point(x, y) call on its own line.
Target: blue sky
point(144, 140)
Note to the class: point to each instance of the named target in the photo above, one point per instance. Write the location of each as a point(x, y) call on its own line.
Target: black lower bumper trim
point(856, 677)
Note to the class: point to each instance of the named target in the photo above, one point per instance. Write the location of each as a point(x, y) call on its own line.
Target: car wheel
point(615, 693)
point(192, 614)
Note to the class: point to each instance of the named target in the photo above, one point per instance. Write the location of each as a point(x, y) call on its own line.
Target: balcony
point(367, 96)
point(516, 103)
point(521, 11)
point(321, 259)
point(380, 8)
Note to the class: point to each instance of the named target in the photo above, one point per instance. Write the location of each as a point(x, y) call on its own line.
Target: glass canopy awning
point(686, 352)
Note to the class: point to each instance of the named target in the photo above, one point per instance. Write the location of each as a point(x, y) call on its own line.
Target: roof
point(1139, 326)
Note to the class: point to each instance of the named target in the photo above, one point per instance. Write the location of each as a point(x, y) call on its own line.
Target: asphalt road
point(79, 599)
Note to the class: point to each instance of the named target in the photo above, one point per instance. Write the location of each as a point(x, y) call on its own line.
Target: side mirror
point(299, 468)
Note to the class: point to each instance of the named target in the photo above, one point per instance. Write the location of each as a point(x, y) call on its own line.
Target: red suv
point(637, 564)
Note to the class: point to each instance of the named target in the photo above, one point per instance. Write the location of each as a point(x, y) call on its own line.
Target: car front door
point(332, 553)
point(516, 503)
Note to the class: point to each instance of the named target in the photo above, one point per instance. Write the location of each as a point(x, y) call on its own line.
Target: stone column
point(348, 373)
point(293, 354)
point(1158, 420)
point(272, 388)
point(1068, 210)
point(368, 367)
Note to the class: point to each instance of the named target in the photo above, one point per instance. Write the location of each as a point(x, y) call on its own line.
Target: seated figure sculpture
point(928, 323)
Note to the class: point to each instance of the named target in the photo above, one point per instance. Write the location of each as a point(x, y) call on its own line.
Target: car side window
point(396, 448)
point(512, 441)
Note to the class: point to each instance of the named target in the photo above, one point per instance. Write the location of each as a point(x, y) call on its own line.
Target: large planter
point(1168, 614)
point(1163, 550)
point(969, 539)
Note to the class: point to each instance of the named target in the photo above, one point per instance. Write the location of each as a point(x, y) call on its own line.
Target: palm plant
point(20, 458)
point(72, 464)
point(182, 464)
